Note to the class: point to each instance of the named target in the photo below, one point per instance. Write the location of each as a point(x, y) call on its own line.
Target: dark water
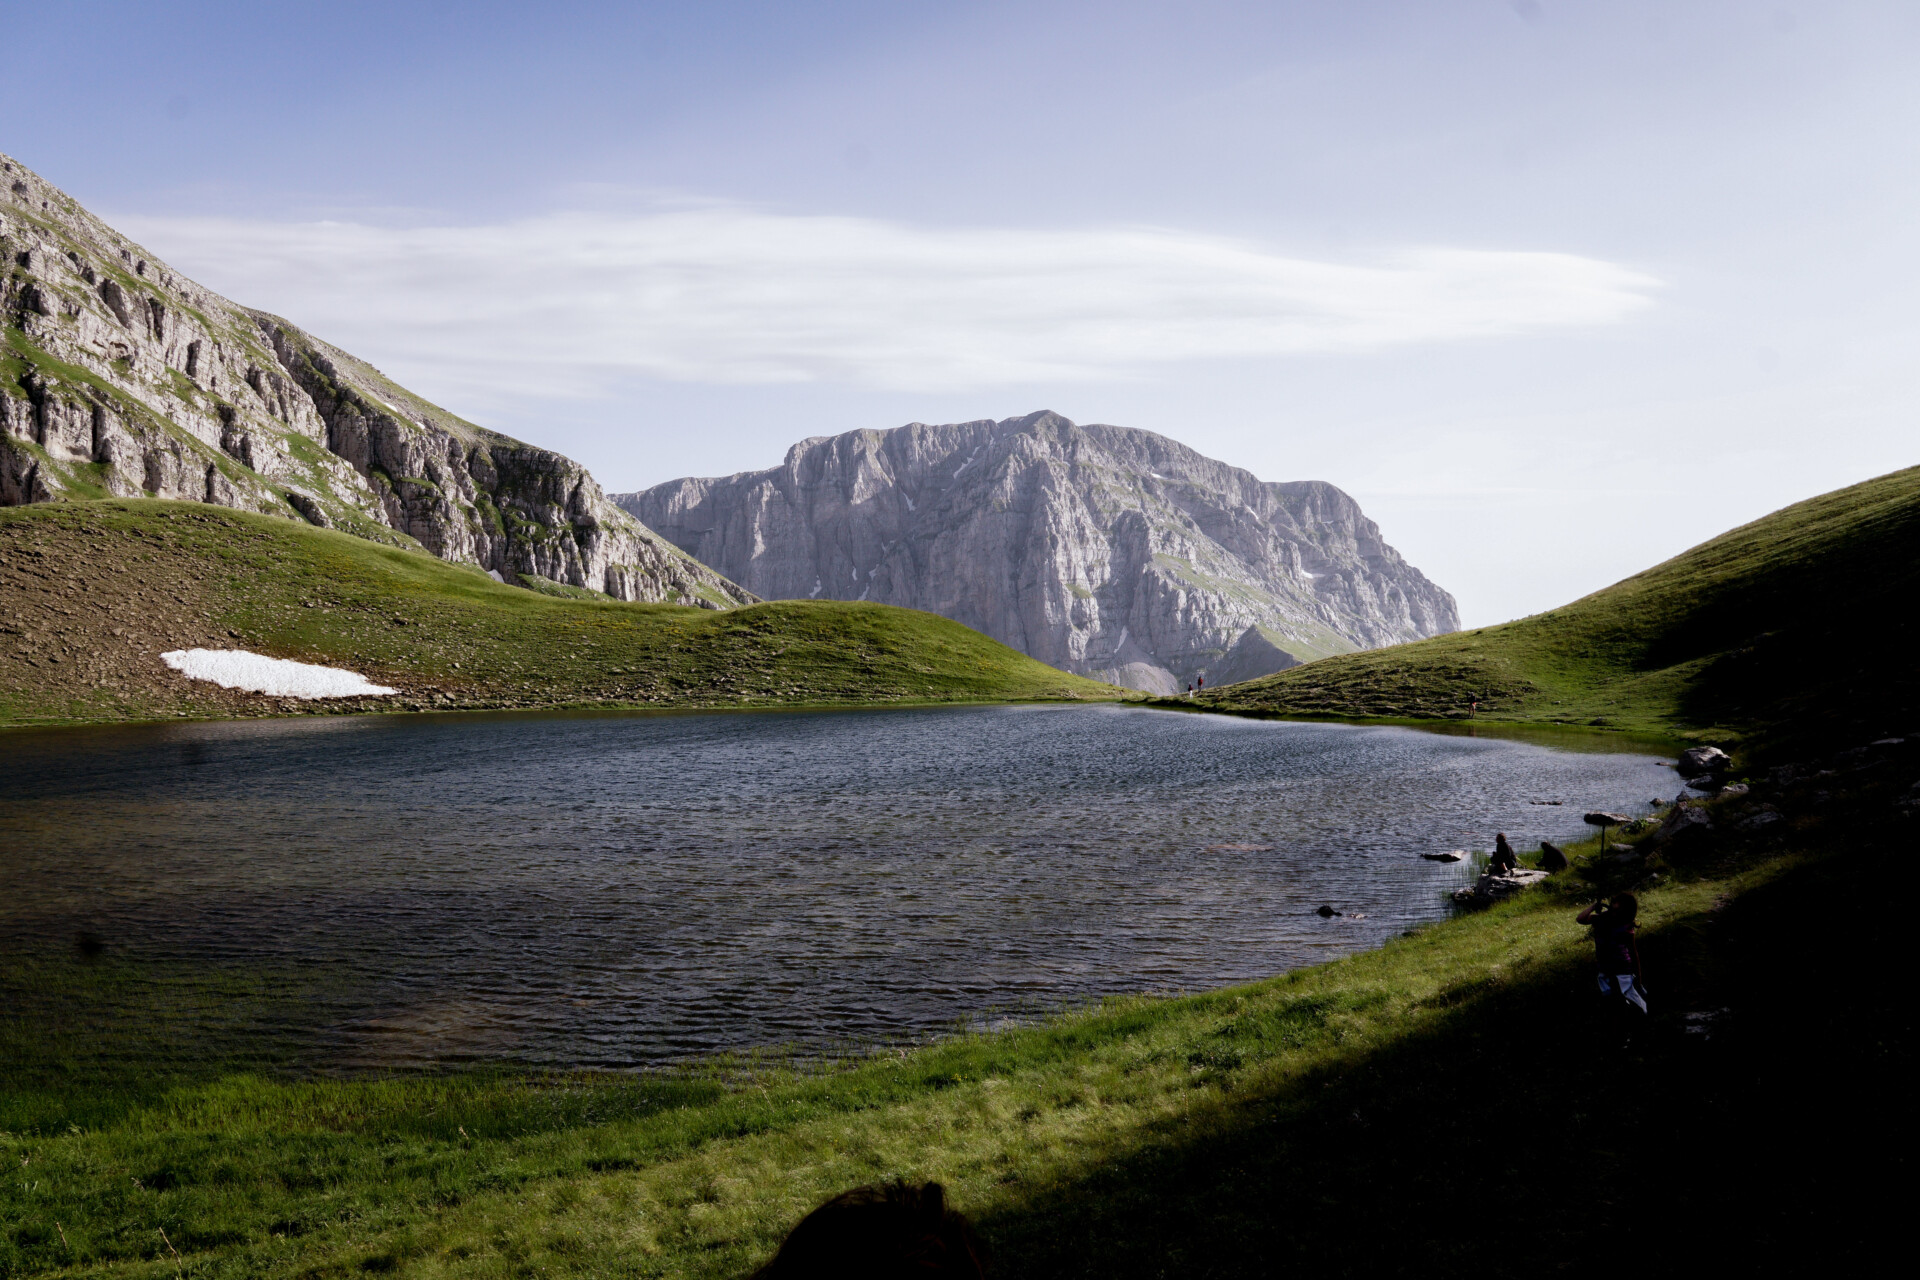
point(623, 890)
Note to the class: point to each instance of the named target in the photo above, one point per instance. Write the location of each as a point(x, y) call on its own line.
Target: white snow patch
point(257, 673)
point(909, 501)
point(815, 593)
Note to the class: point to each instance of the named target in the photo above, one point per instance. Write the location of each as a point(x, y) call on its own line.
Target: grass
point(1359, 1117)
point(93, 592)
point(1794, 625)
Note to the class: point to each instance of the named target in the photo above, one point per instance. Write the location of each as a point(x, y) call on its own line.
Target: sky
point(1555, 289)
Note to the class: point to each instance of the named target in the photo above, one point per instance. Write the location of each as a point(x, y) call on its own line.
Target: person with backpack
point(1615, 950)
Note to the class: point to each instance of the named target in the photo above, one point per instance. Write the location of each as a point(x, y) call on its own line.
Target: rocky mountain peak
point(1106, 551)
point(120, 377)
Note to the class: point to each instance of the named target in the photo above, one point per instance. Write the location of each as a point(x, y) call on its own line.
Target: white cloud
point(568, 303)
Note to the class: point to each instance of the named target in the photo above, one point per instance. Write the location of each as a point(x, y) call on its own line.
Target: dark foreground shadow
point(1530, 1136)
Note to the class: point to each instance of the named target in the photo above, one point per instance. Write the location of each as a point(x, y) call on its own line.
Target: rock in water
point(1697, 762)
point(1104, 551)
point(139, 382)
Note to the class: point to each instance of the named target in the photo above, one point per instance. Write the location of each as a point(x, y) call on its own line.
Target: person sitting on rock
point(879, 1233)
point(1504, 859)
point(1615, 951)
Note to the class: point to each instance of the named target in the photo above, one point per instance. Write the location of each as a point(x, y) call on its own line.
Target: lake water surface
point(625, 890)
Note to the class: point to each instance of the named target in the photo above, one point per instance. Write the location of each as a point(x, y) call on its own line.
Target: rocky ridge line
point(120, 377)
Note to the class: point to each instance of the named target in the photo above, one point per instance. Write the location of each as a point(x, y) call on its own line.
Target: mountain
point(1103, 551)
point(121, 377)
point(1799, 627)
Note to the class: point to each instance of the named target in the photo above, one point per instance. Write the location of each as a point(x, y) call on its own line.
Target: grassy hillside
point(92, 593)
point(1454, 1104)
point(1801, 620)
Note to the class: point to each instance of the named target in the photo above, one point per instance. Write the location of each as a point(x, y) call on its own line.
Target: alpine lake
point(630, 891)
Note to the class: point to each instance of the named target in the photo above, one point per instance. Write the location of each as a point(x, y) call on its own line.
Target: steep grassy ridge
point(92, 593)
point(1799, 620)
point(1456, 1103)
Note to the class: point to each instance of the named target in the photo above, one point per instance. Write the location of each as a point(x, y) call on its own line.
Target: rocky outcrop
point(1101, 550)
point(1491, 888)
point(121, 378)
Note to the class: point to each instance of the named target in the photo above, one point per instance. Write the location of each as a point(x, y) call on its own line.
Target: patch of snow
point(864, 590)
point(971, 459)
point(909, 501)
point(257, 673)
point(815, 593)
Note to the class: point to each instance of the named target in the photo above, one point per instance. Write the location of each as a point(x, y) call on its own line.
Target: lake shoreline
point(1351, 1083)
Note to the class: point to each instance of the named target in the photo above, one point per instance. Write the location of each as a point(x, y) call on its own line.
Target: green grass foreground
point(1451, 1104)
point(1801, 622)
point(91, 593)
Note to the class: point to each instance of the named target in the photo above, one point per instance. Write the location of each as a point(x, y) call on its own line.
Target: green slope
point(92, 593)
point(1802, 620)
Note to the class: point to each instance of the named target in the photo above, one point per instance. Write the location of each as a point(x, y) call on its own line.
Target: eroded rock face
point(1100, 550)
point(121, 378)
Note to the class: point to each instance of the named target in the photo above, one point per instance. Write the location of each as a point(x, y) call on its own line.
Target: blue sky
point(1555, 289)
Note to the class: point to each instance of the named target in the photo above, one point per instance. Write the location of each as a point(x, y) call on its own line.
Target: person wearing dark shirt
point(1504, 859)
point(1615, 952)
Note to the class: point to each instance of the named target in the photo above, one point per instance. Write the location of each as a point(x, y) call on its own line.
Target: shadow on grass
point(1531, 1133)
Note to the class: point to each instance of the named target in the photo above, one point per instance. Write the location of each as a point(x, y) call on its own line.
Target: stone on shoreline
point(1695, 761)
point(1490, 888)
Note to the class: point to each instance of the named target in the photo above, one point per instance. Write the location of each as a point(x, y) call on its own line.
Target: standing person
point(1200, 682)
point(1615, 949)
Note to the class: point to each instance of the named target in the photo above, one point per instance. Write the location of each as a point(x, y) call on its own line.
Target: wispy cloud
point(569, 303)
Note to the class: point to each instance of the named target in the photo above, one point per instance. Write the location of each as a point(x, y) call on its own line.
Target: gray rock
point(1452, 856)
point(1492, 888)
point(1681, 818)
point(157, 386)
point(1101, 550)
point(1598, 818)
point(1695, 761)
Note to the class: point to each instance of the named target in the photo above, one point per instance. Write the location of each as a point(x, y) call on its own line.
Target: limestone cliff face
point(1101, 550)
point(120, 377)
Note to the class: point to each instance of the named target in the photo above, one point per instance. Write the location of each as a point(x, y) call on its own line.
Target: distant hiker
point(895, 1230)
point(1615, 951)
point(1201, 681)
point(1504, 859)
point(1551, 856)
point(1189, 688)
